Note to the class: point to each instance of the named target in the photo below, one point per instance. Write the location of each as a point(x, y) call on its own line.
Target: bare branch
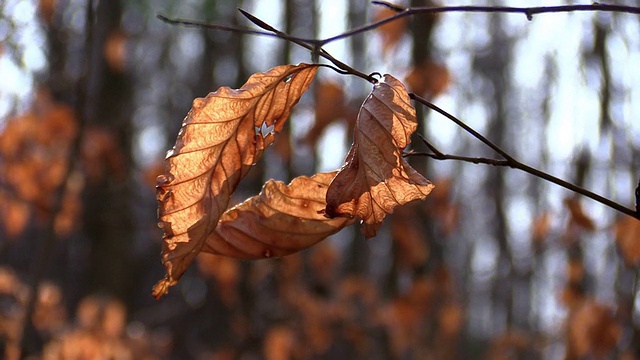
point(310, 44)
point(394, 7)
point(204, 25)
point(513, 163)
point(439, 155)
point(315, 46)
point(529, 12)
point(474, 160)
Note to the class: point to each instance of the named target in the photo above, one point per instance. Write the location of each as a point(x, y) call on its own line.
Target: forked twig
point(439, 155)
point(513, 163)
point(315, 46)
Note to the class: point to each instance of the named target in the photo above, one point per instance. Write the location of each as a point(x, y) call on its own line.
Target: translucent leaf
point(376, 178)
point(281, 220)
point(222, 137)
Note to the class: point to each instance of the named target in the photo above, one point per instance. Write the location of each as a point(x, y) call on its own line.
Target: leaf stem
point(512, 162)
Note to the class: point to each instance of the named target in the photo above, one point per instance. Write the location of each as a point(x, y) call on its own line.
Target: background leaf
point(222, 137)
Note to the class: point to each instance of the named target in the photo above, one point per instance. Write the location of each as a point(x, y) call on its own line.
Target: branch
point(474, 160)
point(513, 163)
point(438, 155)
point(527, 11)
point(204, 25)
point(315, 46)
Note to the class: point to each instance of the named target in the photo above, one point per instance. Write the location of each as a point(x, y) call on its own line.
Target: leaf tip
point(162, 287)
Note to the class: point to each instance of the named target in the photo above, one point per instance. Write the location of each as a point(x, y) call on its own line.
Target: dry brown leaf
point(575, 271)
point(375, 177)
point(281, 220)
point(429, 79)
point(15, 214)
point(101, 154)
point(221, 138)
point(540, 228)
point(225, 271)
point(512, 344)
point(392, 31)
point(279, 343)
point(450, 321)
point(593, 331)
point(628, 239)
point(409, 237)
point(115, 50)
point(578, 217)
point(47, 9)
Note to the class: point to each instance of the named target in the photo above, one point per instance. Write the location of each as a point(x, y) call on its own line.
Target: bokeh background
point(495, 264)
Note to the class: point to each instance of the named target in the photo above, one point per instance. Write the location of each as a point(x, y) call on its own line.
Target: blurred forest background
point(495, 264)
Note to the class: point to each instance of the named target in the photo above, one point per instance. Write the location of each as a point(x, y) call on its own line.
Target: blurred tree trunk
point(108, 222)
point(493, 67)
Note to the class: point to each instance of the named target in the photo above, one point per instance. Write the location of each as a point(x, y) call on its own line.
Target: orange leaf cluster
point(34, 156)
point(225, 134)
point(221, 138)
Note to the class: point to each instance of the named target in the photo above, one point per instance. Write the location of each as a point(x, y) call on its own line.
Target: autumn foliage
point(394, 266)
point(226, 133)
point(34, 160)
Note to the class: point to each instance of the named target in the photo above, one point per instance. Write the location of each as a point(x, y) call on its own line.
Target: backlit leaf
point(222, 137)
point(376, 178)
point(281, 220)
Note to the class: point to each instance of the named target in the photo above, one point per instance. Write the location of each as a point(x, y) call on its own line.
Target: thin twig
point(204, 25)
point(315, 47)
point(394, 7)
point(513, 163)
point(310, 44)
point(529, 12)
point(439, 155)
point(474, 160)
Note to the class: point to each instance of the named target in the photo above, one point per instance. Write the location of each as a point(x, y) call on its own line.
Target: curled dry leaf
point(221, 138)
point(627, 231)
point(281, 220)
point(375, 177)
